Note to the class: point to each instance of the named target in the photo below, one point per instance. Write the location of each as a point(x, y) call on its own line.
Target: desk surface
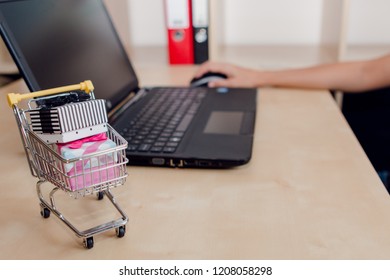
point(309, 192)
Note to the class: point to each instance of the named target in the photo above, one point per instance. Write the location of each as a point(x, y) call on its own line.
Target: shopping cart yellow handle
point(15, 98)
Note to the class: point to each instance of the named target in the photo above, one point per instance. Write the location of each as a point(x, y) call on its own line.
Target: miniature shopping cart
point(92, 173)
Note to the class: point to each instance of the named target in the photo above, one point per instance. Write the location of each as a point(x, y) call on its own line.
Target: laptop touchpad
point(224, 122)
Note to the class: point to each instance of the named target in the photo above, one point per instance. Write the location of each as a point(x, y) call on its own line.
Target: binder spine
point(180, 34)
point(200, 24)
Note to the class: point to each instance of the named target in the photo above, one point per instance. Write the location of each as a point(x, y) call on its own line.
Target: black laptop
point(61, 42)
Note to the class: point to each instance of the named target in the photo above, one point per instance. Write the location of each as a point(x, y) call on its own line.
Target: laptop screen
point(58, 43)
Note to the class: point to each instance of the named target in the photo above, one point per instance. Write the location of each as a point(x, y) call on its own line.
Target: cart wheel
point(45, 213)
point(88, 242)
point(100, 195)
point(120, 231)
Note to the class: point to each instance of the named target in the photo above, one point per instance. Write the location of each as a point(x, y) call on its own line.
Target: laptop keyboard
point(160, 126)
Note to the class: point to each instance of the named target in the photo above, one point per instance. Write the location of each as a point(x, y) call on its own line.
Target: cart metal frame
point(48, 165)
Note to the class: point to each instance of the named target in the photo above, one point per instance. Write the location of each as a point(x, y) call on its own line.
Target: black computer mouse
point(203, 80)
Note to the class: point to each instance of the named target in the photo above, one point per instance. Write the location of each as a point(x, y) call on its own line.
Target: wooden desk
point(309, 192)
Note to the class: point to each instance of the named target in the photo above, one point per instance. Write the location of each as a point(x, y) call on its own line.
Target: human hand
point(236, 76)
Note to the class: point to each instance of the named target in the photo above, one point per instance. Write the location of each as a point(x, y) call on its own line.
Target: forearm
point(348, 76)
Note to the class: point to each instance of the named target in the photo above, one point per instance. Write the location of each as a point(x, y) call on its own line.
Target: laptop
point(62, 42)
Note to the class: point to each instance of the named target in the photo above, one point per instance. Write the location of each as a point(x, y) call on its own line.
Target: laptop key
point(135, 142)
point(162, 139)
point(178, 134)
point(149, 141)
point(165, 134)
point(185, 122)
point(172, 144)
point(175, 139)
point(144, 147)
point(155, 149)
point(132, 148)
point(169, 150)
point(159, 144)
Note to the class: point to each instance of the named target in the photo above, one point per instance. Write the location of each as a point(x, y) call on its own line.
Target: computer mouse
point(203, 80)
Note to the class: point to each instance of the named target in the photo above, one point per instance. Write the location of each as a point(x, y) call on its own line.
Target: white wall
point(147, 22)
point(369, 22)
point(270, 21)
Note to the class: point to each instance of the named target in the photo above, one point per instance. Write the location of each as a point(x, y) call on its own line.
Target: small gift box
point(89, 170)
point(69, 122)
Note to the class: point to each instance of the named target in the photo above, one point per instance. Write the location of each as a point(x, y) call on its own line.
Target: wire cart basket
point(92, 173)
